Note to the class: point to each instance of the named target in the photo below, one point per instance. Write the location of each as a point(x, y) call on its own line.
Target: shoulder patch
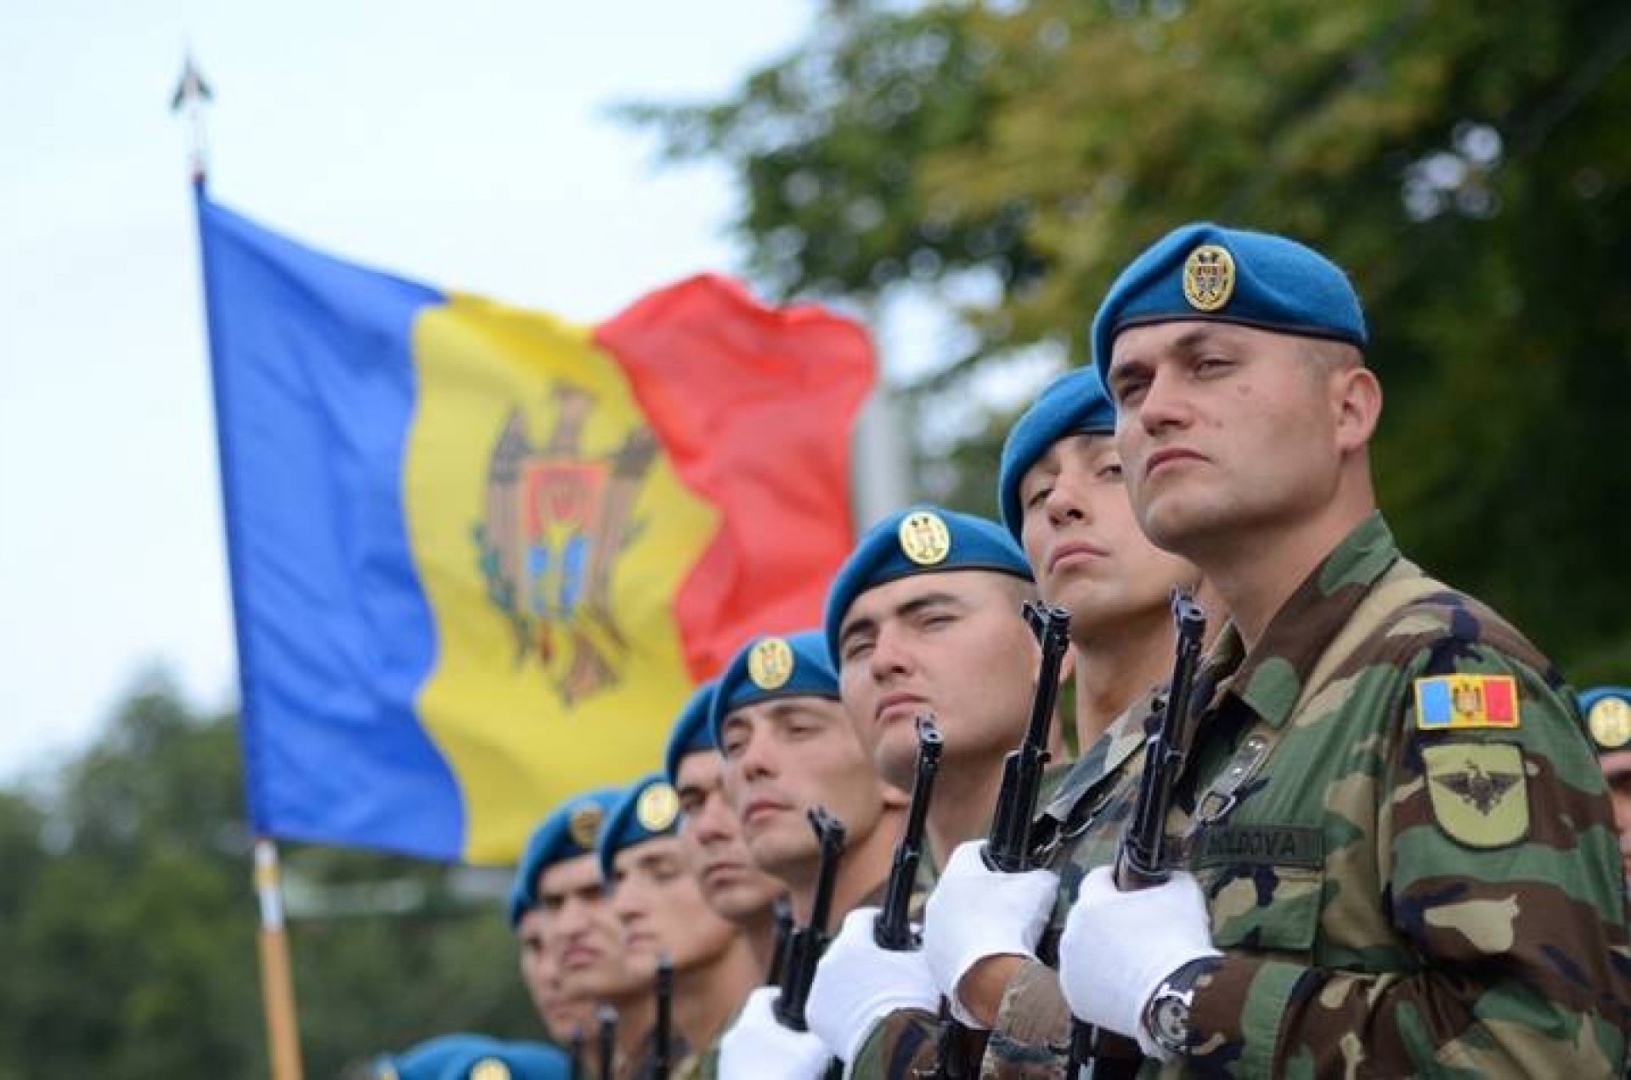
point(1462, 702)
point(1478, 792)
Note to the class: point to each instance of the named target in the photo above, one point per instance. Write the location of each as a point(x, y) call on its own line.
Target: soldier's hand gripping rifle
point(805, 946)
point(663, 1033)
point(893, 928)
point(1141, 858)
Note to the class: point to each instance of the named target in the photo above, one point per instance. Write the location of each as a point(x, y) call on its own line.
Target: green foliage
point(1463, 161)
point(128, 925)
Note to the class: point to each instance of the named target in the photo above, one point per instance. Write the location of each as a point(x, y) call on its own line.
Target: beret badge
point(1209, 277)
point(657, 808)
point(1610, 723)
point(584, 825)
point(490, 1069)
point(924, 538)
point(770, 664)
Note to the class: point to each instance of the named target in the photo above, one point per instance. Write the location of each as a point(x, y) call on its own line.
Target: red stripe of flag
point(754, 407)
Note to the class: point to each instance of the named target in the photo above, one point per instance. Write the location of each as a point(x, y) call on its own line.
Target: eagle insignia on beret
point(1209, 277)
point(1610, 723)
point(770, 663)
point(490, 1069)
point(657, 808)
point(584, 825)
point(924, 538)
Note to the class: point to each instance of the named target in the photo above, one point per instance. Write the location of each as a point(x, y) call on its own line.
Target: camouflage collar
point(1109, 752)
point(1270, 678)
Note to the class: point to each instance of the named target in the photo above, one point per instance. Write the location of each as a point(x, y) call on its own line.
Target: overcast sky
point(463, 145)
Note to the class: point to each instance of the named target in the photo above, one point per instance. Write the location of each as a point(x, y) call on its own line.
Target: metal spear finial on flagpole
point(191, 96)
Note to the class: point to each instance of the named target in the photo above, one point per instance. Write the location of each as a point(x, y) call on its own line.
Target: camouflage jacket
point(1404, 842)
point(1398, 888)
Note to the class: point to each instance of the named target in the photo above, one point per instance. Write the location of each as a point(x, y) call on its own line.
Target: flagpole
point(191, 96)
point(277, 980)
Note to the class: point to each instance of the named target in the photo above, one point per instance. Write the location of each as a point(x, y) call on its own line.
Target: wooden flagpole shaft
point(277, 982)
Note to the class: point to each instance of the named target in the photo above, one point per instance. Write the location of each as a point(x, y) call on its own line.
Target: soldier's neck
point(1114, 669)
point(706, 995)
point(862, 869)
point(965, 798)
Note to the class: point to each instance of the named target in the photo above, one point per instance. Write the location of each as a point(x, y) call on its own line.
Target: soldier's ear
point(1356, 398)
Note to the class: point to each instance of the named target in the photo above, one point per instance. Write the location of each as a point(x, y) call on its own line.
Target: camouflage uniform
point(1391, 900)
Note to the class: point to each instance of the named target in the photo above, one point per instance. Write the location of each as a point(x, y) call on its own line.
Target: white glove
point(857, 984)
point(975, 912)
point(1118, 947)
point(758, 1048)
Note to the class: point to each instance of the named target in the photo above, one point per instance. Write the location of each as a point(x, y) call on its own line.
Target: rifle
point(608, 1042)
point(1141, 857)
point(1008, 848)
point(781, 915)
point(805, 945)
point(662, 1036)
point(893, 928)
point(575, 1049)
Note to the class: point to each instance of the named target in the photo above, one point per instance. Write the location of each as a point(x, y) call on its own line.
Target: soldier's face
point(731, 882)
point(783, 757)
point(581, 931)
point(954, 645)
point(1084, 544)
point(661, 909)
point(1227, 434)
point(1617, 771)
point(561, 1013)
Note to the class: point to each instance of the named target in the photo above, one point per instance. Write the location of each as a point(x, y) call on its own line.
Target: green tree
point(128, 924)
point(1464, 162)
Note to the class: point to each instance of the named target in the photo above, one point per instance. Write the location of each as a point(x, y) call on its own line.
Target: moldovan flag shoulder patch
point(480, 555)
point(1460, 702)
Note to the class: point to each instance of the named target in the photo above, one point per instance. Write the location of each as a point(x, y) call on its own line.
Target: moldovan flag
point(480, 555)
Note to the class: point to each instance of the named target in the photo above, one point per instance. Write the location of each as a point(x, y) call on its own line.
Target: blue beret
point(455, 1057)
point(1204, 271)
point(920, 539)
point(570, 830)
point(1608, 717)
point(691, 732)
point(1073, 404)
point(648, 809)
point(769, 667)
